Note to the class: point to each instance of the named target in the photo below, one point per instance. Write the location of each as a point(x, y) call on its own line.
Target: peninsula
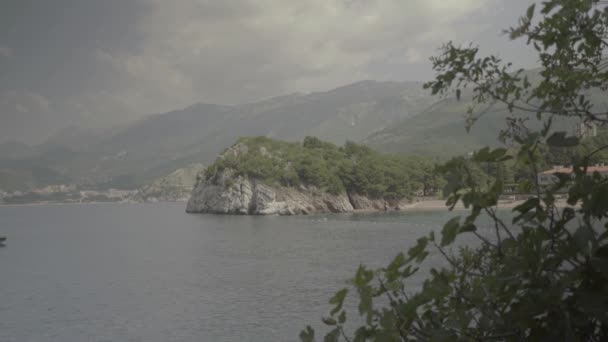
point(261, 176)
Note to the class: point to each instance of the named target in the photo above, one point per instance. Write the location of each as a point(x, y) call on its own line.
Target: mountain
point(32, 167)
point(176, 186)
point(393, 117)
point(15, 150)
point(138, 153)
point(440, 130)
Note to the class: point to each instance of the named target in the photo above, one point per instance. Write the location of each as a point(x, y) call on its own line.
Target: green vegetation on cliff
point(353, 168)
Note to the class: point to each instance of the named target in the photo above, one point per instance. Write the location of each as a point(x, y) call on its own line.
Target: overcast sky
point(92, 62)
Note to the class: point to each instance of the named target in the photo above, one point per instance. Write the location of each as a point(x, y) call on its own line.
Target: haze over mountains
point(133, 154)
point(439, 131)
point(395, 117)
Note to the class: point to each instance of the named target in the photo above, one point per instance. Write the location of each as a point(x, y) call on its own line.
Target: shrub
point(542, 275)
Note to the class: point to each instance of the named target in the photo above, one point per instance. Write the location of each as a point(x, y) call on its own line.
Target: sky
point(93, 63)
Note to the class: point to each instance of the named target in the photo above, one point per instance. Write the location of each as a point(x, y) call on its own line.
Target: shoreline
point(423, 205)
point(80, 203)
point(436, 205)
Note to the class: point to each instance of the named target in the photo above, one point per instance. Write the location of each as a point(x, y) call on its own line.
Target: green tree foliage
point(353, 168)
point(542, 274)
point(558, 155)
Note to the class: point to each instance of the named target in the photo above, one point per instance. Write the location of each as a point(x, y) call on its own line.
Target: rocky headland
point(236, 185)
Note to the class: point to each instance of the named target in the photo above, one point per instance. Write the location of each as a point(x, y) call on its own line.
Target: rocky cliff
point(259, 176)
point(226, 194)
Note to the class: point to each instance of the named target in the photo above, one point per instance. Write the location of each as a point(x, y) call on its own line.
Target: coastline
point(437, 205)
point(422, 205)
point(440, 204)
point(83, 203)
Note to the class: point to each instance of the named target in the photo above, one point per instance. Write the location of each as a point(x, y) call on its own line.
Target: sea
point(151, 272)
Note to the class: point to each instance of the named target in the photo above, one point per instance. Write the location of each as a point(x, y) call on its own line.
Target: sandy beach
point(440, 204)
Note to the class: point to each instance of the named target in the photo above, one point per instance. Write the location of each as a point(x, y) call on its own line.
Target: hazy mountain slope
point(35, 167)
point(22, 175)
point(346, 113)
point(440, 130)
point(16, 150)
point(161, 143)
point(173, 187)
point(390, 116)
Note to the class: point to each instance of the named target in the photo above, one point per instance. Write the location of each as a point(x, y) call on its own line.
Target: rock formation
point(226, 194)
point(226, 191)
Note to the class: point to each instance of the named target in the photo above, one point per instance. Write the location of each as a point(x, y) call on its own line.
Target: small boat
point(2, 240)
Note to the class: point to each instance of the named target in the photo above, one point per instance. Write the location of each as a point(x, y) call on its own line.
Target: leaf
point(329, 321)
point(482, 155)
point(418, 252)
point(392, 271)
point(338, 301)
point(498, 154)
point(530, 11)
point(307, 335)
point(467, 228)
point(560, 139)
point(366, 303)
point(527, 205)
point(485, 155)
point(524, 210)
point(585, 238)
point(362, 334)
point(332, 336)
point(363, 277)
point(397, 262)
point(450, 230)
point(547, 126)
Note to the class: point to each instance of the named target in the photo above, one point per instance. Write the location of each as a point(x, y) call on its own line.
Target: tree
point(542, 275)
point(337, 170)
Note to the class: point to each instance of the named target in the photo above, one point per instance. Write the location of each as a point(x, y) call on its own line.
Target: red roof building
point(548, 177)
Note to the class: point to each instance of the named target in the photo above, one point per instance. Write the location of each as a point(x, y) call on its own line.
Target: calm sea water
point(150, 272)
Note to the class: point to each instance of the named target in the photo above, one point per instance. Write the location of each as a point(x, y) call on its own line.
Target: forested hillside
point(350, 168)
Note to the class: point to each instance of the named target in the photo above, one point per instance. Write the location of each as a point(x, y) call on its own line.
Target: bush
point(542, 275)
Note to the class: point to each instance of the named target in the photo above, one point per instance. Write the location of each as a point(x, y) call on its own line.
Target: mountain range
point(395, 117)
point(131, 155)
point(440, 131)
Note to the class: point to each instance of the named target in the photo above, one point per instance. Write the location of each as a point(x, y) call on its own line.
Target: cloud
point(241, 50)
point(24, 102)
point(24, 109)
point(6, 52)
point(153, 56)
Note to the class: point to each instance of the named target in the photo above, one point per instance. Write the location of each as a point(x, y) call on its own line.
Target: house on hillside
point(548, 177)
point(585, 130)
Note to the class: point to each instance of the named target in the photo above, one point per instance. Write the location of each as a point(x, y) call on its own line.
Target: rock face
point(365, 203)
point(226, 194)
point(374, 204)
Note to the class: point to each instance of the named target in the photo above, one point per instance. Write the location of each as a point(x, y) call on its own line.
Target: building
point(585, 130)
point(549, 177)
